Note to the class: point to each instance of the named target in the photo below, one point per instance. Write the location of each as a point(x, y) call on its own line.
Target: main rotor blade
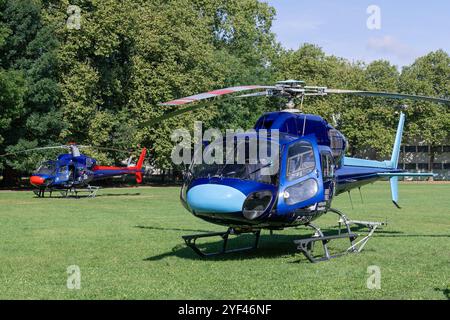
point(213, 94)
point(190, 108)
point(211, 97)
point(387, 95)
point(281, 89)
point(34, 149)
point(256, 94)
point(105, 148)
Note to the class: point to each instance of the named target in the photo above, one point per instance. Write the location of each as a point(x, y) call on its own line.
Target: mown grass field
point(127, 243)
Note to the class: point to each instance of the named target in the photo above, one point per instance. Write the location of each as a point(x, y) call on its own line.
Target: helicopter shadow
point(270, 246)
point(90, 197)
point(445, 292)
point(119, 194)
point(170, 229)
point(381, 233)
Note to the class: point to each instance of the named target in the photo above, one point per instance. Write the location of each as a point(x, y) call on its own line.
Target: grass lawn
point(127, 243)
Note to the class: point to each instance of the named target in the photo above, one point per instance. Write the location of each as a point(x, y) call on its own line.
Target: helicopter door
point(300, 176)
point(63, 174)
point(327, 164)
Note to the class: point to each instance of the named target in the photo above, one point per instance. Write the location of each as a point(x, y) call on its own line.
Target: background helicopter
point(73, 171)
point(313, 169)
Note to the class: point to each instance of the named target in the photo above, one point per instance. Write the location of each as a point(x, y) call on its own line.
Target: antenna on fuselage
point(351, 201)
point(360, 195)
point(304, 126)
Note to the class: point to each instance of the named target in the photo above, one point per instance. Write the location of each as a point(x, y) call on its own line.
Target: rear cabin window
point(327, 165)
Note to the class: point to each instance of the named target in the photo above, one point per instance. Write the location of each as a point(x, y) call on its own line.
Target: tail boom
point(107, 171)
point(357, 172)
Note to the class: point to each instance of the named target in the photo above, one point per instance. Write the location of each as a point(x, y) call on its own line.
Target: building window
point(422, 149)
point(436, 149)
point(410, 149)
point(423, 166)
point(410, 166)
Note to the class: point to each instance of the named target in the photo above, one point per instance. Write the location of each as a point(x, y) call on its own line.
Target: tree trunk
point(431, 161)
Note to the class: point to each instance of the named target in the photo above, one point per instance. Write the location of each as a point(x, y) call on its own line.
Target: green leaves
point(370, 123)
point(12, 92)
point(96, 84)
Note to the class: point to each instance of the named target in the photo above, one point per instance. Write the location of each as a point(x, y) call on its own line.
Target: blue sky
point(408, 30)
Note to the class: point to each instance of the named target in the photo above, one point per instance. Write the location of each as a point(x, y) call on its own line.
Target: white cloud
point(303, 24)
point(294, 31)
point(388, 45)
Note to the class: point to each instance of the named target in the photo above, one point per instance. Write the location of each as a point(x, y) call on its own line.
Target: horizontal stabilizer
point(406, 174)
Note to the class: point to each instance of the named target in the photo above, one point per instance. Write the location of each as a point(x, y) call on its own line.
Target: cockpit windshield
point(46, 168)
point(247, 162)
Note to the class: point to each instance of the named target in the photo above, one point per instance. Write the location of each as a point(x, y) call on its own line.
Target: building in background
point(417, 157)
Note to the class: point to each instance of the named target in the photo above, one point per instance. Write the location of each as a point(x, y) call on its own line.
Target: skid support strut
point(190, 242)
point(306, 246)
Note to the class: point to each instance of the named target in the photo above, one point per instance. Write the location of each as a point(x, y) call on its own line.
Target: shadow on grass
point(398, 234)
point(445, 292)
point(118, 194)
point(269, 246)
point(86, 196)
point(170, 229)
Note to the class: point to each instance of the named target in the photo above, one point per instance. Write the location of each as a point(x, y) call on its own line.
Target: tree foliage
point(97, 84)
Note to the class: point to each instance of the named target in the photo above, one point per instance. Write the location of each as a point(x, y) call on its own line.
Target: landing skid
point(68, 193)
point(190, 242)
point(306, 246)
point(73, 192)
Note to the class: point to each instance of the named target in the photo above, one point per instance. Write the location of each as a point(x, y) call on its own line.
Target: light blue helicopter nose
point(215, 198)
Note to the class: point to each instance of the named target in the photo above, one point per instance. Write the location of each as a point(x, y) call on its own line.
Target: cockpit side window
point(47, 168)
point(62, 169)
point(300, 160)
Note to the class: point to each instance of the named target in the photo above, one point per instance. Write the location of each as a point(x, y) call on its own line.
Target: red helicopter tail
point(139, 165)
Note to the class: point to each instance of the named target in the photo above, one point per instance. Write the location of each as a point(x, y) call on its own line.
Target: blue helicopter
point(312, 170)
point(73, 172)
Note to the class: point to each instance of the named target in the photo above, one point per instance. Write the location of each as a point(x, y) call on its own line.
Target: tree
point(98, 84)
point(27, 47)
point(429, 122)
point(368, 123)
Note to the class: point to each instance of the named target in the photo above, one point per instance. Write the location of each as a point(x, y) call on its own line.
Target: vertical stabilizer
point(394, 159)
point(139, 164)
point(398, 142)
